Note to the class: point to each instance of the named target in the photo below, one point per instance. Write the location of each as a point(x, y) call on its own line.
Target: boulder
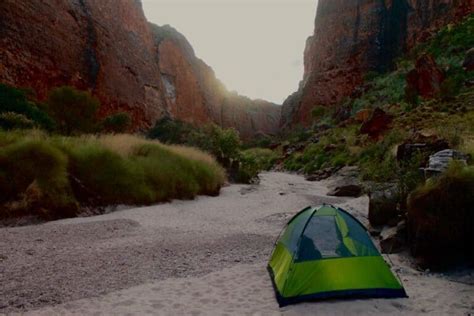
point(321, 174)
point(408, 150)
point(468, 62)
point(425, 80)
point(377, 124)
point(393, 239)
point(348, 189)
point(363, 115)
point(383, 206)
point(439, 162)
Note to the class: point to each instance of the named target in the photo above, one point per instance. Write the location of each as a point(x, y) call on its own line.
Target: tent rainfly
point(325, 252)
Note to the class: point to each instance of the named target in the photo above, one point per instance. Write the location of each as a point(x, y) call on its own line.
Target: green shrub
point(117, 123)
point(170, 131)
point(99, 171)
point(74, 111)
point(253, 161)
point(440, 217)
point(35, 163)
point(12, 120)
point(14, 100)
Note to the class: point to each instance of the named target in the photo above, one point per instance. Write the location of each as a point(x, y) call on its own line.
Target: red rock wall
point(188, 80)
point(109, 48)
point(352, 37)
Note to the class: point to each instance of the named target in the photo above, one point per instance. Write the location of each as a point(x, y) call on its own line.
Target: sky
point(255, 46)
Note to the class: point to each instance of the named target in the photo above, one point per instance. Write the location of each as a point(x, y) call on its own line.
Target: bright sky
point(254, 46)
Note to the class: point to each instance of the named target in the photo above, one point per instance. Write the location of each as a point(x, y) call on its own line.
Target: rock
point(363, 115)
point(109, 48)
point(321, 174)
point(375, 231)
point(377, 124)
point(439, 162)
point(348, 172)
point(426, 78)
point(348, 189)
point(383, 206)
point(393, 239)
point(468, 62)
point(351, 38)
point(428, 146)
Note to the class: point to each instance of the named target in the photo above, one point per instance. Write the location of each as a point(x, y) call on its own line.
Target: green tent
point(325, 253)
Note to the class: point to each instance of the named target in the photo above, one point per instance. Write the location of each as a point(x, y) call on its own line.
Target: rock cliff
point(352, 37)
point(109, 48)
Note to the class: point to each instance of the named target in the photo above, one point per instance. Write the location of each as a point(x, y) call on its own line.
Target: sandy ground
point(201, 257)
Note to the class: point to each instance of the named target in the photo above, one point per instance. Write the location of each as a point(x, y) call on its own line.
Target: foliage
point(74, 111)
point(16, 101)
point(120, 169)
point(384, 89)
point(254, 160)
point(12, 120)
point(452, 40)
point(170, 131)
point(117, 123)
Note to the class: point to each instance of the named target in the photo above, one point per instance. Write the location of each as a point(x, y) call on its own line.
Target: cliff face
point(188, 80)
point(109, 48)
point(352, 37)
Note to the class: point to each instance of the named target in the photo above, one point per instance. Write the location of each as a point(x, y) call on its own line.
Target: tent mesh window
point(321, 239)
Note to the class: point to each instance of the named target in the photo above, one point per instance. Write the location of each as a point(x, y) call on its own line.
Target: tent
point(325, 252)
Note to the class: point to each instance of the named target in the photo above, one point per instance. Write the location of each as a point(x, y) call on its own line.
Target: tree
point(74, 111)
point(117, 123)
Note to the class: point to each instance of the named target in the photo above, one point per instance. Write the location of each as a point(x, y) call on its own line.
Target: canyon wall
point(108, 48)
point(188, 80)
point(352, 37)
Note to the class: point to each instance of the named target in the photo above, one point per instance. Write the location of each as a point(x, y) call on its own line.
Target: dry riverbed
point(200, 257)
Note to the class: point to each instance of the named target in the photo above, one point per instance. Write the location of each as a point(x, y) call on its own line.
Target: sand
point(200, 257)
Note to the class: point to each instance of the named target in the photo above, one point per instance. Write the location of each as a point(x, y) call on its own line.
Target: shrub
point(99, 171)
point(12, 120)
point(14, 100)
point(170, 131)
point(117, 123)
point(440, 217)
point(30, 162)
point(253, 161)
point(74, 111)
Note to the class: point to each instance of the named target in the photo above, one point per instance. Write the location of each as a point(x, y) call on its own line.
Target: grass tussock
point(98, 171)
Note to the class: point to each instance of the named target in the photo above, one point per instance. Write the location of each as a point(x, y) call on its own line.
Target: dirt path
point(205, 256)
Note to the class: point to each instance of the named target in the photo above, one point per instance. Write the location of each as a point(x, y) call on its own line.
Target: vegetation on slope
point(55, 159)
point(242, 163)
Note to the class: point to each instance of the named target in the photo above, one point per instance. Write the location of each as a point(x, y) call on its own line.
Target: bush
point(99, 171)
point(15, 101)
point(74, 111)
point(170, 131)
point(253, 161)
point(117, 123)
point(440, 217)
point(12, 120)
point(29, 162)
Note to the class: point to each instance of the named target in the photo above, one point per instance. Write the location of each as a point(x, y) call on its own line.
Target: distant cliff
point(352, 37)
point(109, 48)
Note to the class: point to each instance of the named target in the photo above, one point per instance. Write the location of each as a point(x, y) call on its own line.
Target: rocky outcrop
point(108, 48)
point(354, 37)
point(426, 78)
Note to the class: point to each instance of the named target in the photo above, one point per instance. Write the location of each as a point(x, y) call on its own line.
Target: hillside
point(352, 38)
